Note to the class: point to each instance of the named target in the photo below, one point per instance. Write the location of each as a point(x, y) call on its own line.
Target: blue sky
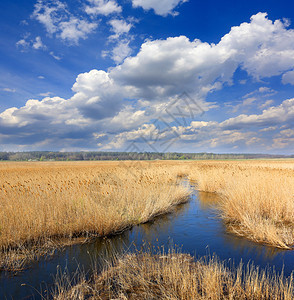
point(146, 75)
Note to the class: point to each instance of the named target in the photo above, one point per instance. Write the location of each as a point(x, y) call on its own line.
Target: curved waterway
point(194, 227)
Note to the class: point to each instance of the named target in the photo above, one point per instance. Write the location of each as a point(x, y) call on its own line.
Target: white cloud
point(57, 19)
point(271, 128)
point(55, 56)
point(49, 14)
point(265, 89)
point(75, 29)
point(123, 101)
point(47, 94)
point(216, 135)
point(288, 77)
point(8, 90)
point(119, 27)
point(121, 38)
point(209, 135)
point(26, 43)
point(8, 118)
point(102, 7)
point(97, 96)
point(271, 116)
point(23, 44)
point(264, 47)
point(121, 51)
point(249, 101)
point(287, 133)
point(38, 44)
point(169, 67)
point(163, 7)
point(41, 77)
point(266, 104)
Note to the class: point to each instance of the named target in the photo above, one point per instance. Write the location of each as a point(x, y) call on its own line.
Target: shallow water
point(194, 227)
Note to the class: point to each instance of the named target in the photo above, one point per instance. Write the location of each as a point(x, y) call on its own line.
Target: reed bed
point(257, 198)
point(175, 275)
point(41, 201)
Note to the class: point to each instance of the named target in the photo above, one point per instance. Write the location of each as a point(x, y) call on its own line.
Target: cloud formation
point(121, 104)
point(162, 8)
point(58, 20)
point(102, 7)
point(241, 131)
point(119, 28)
point(288, 77)
point(38, 44)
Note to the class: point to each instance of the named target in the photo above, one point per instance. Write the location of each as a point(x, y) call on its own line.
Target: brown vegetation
point(40, 201)
point(175, 276)
point(257, 198)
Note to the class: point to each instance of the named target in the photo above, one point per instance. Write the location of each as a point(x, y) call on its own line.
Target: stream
point(193, 227)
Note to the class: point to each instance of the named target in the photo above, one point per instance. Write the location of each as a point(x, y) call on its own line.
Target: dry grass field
point(175, 276)
point(43, 204)
point(66, 199)
point(41, 201)
point(257, 197)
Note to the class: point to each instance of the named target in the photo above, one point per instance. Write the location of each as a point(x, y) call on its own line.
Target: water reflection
point(209, 201)
point(240, 244)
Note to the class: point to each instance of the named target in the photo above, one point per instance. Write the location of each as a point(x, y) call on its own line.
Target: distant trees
point(80, 156)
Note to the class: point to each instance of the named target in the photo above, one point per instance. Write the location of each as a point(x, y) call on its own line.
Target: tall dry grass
point(39, 201)
point(175, 276)
point(257, 198)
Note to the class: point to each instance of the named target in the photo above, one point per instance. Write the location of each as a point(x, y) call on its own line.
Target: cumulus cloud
point(264, 47)
point(57, 19)
point(102, 7)
point(274, 115)
point(239, 131)
point(150, 137)
point(124, 101)
point(163, 7)
point(97, 96)
point(167, 67)
point(284, 139)
point(288, 77)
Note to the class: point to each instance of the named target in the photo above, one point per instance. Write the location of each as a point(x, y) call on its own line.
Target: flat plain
point(58, 202)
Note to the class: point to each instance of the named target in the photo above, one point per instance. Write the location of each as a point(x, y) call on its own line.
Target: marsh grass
point(16, 259)
point(41, 202)
point(257, 198)
point(174, 275)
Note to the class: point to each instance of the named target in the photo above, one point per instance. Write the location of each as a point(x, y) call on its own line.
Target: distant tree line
point(96, 156)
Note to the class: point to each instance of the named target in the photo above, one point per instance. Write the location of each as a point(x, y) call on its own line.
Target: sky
point(147, 75)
